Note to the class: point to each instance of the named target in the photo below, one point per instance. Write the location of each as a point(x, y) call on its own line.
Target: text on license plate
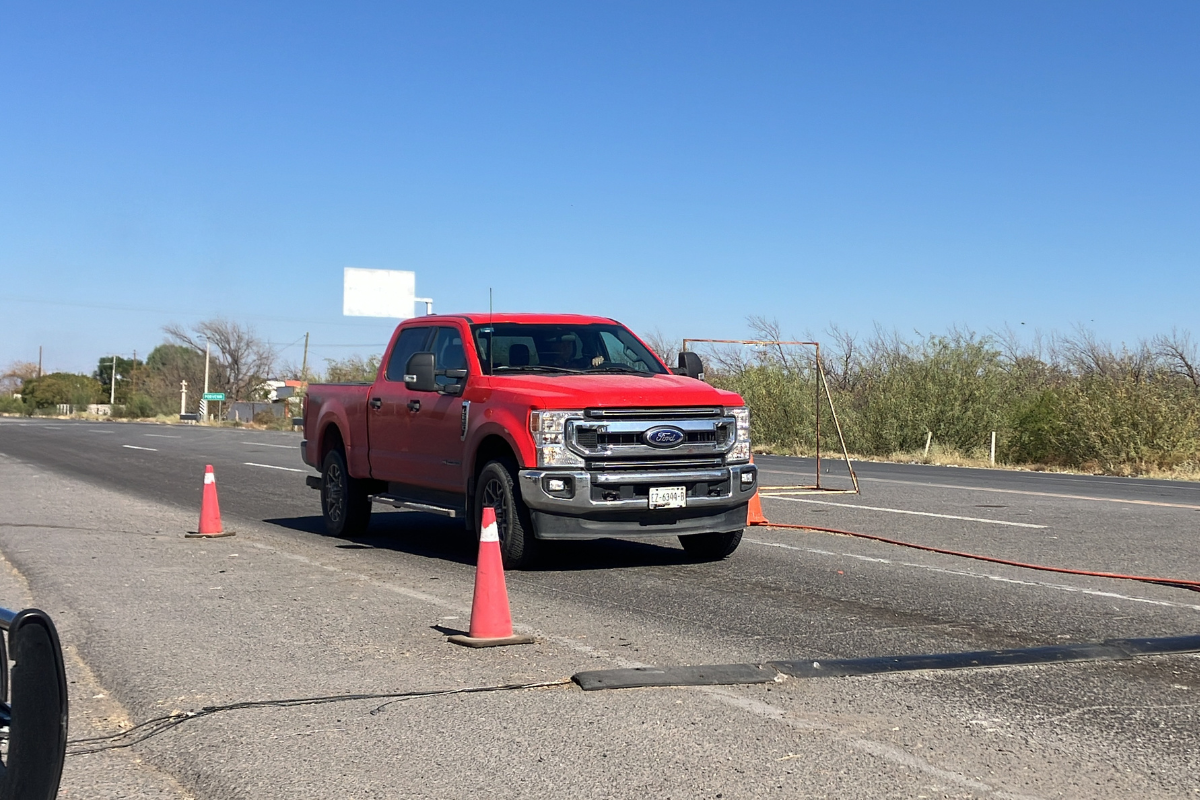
point(668, 496)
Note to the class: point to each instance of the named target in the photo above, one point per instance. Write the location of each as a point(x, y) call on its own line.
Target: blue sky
point(678, 166)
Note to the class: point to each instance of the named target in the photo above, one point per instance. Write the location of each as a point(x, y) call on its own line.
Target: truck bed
point(345, 404)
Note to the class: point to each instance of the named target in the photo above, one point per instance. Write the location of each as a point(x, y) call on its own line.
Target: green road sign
point(214, 396)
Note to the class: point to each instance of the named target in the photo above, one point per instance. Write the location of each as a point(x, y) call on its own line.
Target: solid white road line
point(1028, 492)
point(135, 447)
point(901, 511)
point(162, 436)
point(264, 444)
point(986, 576)
point(272, 466)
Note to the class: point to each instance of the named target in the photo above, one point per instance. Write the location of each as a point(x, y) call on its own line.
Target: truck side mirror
point(419, 373)
point(690, 365)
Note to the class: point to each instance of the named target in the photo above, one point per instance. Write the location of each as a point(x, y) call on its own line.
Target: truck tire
point(497, 487)
point(711, 546)
point(345, 504)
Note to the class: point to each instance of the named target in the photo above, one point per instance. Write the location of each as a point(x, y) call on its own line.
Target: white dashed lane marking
point(979, 575)
point(272, 466)
point(135, 447)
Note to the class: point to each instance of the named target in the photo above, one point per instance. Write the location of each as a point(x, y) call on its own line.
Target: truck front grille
point(702, 434)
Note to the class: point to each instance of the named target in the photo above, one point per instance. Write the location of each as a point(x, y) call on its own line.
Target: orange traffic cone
point(754, 514)
point(491, 621)
point(210, 511)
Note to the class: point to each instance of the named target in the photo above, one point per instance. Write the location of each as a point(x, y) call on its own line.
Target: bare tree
point(1180, 353)
point(842, 359)
point(664, 346)
point(243, 359)
point(17, 373)
point(771, 331)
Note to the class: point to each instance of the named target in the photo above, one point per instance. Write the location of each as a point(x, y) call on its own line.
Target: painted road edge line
point(767, 496)
point(1108, 650)
point(135, 447)
point(1031, 493)
point(265, 444)
point(272, 466)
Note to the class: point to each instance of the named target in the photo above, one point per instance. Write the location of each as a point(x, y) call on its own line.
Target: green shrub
point(58, 388)
point(139, 406)
point(1085, 407)
point(12, 405)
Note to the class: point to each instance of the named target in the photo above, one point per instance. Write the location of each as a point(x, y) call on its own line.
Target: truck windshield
point(562, 349)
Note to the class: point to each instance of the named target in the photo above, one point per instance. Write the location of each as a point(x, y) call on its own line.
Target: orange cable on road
point(1174, 582)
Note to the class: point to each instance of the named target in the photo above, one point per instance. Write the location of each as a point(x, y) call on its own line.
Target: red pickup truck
point(569, 426)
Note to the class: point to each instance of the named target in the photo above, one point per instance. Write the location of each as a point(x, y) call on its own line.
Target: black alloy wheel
point(345, 504)
point(497, 487)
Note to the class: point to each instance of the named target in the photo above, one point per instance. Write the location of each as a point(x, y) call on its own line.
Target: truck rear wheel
point(345, 504)
point(497, 488)
point(711, 546)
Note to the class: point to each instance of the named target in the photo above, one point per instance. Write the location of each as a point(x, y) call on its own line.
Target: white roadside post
point(993, 448)
point(928, 441)
point(182, 398)
point(203, 400)
point(112, 389)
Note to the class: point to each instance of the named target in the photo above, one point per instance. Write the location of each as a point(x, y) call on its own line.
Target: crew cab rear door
point(436, 428)
point(388, 410)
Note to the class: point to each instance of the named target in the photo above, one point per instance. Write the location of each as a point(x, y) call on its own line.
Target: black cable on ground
point(153, 727)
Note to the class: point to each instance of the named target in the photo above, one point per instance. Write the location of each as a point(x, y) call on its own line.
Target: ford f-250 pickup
point(569, 426)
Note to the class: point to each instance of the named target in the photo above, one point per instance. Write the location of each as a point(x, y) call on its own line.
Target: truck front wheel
point(711, 546)
point(345, 504)
point(497, 488)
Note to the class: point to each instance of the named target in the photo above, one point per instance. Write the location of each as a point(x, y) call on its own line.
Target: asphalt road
point(1070, 730)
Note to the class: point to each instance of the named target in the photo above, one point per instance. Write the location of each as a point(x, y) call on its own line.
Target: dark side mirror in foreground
point(36, 714)
point(419, 374)
point(690, 365)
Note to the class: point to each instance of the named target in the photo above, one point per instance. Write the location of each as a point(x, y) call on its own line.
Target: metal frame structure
point(821, 383)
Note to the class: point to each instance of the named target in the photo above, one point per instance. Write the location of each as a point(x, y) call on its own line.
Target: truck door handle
point(414, 405)
point(376, 403)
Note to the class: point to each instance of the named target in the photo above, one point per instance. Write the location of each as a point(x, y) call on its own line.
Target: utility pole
point(39, 361)
point(182, 398)
point(112, 389)
point(304, 366)
point(133, 375)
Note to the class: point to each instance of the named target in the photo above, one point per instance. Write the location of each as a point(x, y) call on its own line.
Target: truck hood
point(612, 391)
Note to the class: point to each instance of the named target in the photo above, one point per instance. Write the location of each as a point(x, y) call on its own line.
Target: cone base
point(194, 535)
point(470, 641)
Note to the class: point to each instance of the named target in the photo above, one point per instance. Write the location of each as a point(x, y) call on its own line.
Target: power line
point(142, 309)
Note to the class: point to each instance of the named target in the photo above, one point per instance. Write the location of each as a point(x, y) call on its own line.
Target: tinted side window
point(411, 341)
point(448, 350)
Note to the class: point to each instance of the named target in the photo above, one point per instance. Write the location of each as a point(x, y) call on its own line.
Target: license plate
point(668, 496)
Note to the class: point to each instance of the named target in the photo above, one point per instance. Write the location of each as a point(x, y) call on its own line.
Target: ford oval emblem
point(663, 437)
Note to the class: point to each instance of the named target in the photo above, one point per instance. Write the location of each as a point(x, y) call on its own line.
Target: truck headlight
point(740, 453)
point(549, 436)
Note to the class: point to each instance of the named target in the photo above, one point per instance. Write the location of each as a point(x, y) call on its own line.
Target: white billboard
point(378, 293)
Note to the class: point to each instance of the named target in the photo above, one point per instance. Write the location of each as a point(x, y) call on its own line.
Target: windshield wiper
point(622, 369)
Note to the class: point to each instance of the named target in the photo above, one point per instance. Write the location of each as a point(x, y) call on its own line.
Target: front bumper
point(615, 503)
